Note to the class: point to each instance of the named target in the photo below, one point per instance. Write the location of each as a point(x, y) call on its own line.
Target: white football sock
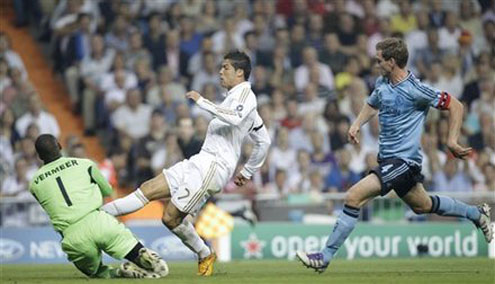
point(186, 232)
point(126, 204)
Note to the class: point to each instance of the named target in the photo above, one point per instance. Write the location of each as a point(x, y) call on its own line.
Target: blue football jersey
point(403, 108)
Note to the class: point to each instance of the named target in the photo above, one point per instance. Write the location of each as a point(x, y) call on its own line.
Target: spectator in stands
point(299, 178)
point(425, 57)
point(45, 121)
point(292, 119)
point(117, 38)
point(300, 137)
point(133, 117)
point(78, 151)
point(11, 57)
point(320, 159)
point(482, 71)
point(91, 71)
point(8, 140)
point(341, 178)
point(154, 40)
point(266, 113)
point(480, 139)
point(338, 137)
point(331, 53)
point(169, 154)
point(437, 14)
point(136, 51)
point(227, 38)
point(312, 103)
point(175, 58)
point(384, 31)
point(278, 103)
point(315, 31)
point(207, 21)
point(22, 90)
point(165, 83)
point(5, 80)
point(450, 178)
point(310, 59)
point(358, 154)
point(347, 31)
point(260, 82)
point(189, 144)
point(190, 39)
point(25, 149)
point(282, 156)
point(251, 48)
point(417, 39)
point(33, 131)
point(149, 145)
point(448, 34)
point(405, 21)
point(196, 60)
point(113, 166)
point(489, 182)
point(206, 74)
point(279, 187)
point(145, 76)
point(200, 127)
point(280, 66)
point(16, 186)
point(79, 41)
point(297, 44)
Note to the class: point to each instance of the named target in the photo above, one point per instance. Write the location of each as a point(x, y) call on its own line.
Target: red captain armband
point(444, 101)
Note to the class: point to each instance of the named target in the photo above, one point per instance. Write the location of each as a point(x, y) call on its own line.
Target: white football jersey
point(234, 119)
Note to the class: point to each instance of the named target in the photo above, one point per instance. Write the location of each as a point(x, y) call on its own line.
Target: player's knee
point(420, 209)
point(352, 199)
point(170, 222)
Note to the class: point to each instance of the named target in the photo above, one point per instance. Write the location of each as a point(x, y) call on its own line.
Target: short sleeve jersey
point(403, 108)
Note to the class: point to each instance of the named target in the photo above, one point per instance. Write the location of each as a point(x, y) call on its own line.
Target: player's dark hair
point(239, 60)
point(48, 148)
point(394, 48)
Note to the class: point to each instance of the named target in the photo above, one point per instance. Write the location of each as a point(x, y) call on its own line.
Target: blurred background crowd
point(128, 64)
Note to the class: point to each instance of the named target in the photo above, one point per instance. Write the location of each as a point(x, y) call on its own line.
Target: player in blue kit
point(402, 103)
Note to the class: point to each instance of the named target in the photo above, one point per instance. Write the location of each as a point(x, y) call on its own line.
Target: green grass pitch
point(427, 270)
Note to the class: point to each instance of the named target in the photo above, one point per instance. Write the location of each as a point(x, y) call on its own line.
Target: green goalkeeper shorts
point(96, 232)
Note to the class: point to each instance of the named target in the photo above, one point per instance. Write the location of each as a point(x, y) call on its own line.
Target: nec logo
point(10, 250)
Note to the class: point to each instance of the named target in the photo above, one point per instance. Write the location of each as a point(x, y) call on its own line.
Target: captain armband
point(444, 101)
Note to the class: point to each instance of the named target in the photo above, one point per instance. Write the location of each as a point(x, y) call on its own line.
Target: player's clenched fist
point(193, 95)
point(240, 180)
point(352, 135)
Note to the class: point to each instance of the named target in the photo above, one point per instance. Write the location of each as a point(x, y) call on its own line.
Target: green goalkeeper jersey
point(68, 189)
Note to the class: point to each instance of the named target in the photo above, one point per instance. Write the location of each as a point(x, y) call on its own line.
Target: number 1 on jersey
point(64, 192)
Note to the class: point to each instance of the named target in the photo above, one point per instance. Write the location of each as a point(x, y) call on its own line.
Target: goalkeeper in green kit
point(71, 192)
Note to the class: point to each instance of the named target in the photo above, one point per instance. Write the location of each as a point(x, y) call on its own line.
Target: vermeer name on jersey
point(56, 170)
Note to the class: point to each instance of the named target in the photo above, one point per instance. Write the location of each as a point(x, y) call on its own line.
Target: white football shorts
point(192, 181)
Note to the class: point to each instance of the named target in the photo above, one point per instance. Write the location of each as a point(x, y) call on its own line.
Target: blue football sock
point(447, 206)
point(345, 224)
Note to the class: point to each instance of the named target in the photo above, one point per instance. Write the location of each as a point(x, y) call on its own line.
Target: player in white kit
point(189, 183)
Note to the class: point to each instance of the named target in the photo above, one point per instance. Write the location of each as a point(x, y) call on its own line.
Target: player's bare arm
point(456, 110)
point(366, 113)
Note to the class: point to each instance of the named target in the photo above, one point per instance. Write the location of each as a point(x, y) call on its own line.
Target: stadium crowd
point(128, 64)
